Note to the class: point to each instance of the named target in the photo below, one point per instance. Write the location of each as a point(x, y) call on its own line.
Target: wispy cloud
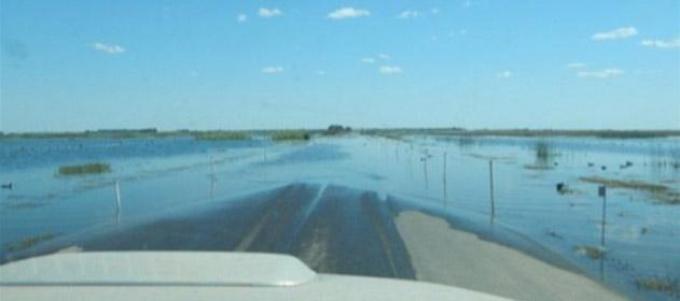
point(241, 18)
point(466, 3)
point(389, 70)
point(368, 60)
point(108, 48)
point(504, 74)
point(602, 74)
point(348, 12)
point(320, 72)
point(269, 12)
point(616, 34)
point(408, 14)
point(666, 44)
point(384, 56)
point(272, 69)
point(576, 65)
point(435, 10)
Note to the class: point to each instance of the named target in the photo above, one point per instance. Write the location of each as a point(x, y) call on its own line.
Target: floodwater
point(330, 189)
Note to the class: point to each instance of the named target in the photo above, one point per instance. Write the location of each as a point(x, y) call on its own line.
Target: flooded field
point(348, 204)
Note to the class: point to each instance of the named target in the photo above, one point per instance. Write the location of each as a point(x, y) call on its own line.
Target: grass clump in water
point(538, 167)
point(28, 242)
point(659, 192)
point(659, 284)
point(630, 184)
point(89, 168)
point(221, 135)
point(290, 136)
point(594, 252)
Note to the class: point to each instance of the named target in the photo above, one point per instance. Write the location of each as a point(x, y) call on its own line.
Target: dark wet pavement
point(332, 229)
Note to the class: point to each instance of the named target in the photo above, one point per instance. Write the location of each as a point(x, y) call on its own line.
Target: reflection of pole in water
point(213, 178)
point(444, 180)
point(410, 165)
point(118, 202)
point(212, 186)
point(491, 192)
point(424, 159)
point(602, 192)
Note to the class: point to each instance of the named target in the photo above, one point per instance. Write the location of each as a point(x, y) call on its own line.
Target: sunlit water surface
point(641, 237)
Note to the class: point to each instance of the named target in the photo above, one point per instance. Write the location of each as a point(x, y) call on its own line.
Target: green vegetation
point(28, 242)
point(221, 135)
point(396, 133)
point(659, 192)
point(460, 132)
point(594, 252)
point(290, 135)
point(659, 284)
point(113, 133)
point(89, 168)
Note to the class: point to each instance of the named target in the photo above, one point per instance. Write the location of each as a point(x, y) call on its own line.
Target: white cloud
point(408, 14)
point(383, 56)
point(108, 48)
point(606, 73)
point(272, 69)
point(269, 12)
point(241, 18)
point(368, 60)
point(576, 65)
point(504, 74)
point(348, 12)
point(619, 33)
point(467, 3)
point(390, 70)
point(661, 43)
point(435, 10)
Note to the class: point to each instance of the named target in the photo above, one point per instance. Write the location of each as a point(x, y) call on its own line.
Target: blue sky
point(75, 65)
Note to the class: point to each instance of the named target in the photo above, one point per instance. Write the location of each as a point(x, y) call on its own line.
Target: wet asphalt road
point(332, 229)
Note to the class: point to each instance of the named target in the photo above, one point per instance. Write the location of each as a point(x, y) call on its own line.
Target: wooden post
point(491, 192)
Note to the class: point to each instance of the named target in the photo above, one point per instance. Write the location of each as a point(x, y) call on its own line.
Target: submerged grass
point(89, 168)
point(659, 192)
point(461, 132)
point(538, 167)
point(291, 135)
point(221, 135)
point(629, 184)
point(659, 284)
point(594, 252)
point(28, 242)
